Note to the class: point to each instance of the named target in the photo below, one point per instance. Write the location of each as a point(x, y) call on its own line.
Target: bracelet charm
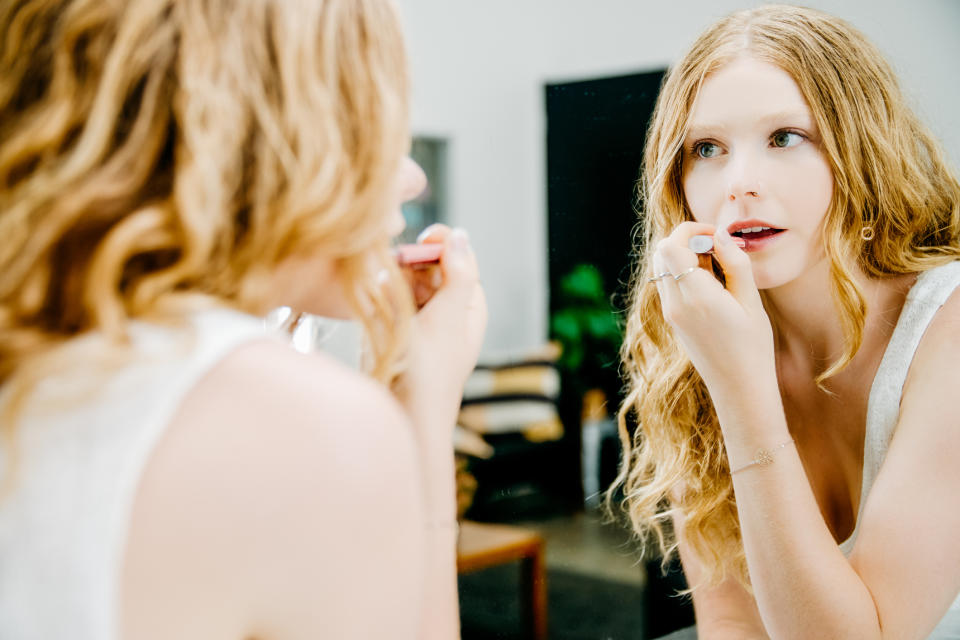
point(763, 458)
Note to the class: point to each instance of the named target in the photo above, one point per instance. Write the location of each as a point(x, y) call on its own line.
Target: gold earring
point(866, 233)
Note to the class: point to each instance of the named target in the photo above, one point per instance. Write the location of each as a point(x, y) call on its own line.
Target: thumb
point(458, 261)
point(736, 268)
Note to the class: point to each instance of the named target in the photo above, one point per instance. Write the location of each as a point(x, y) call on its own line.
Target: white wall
point(479, 69)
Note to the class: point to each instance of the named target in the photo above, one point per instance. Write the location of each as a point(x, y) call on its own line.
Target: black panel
point(595, 136)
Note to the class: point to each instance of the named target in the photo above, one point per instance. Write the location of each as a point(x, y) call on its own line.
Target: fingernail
point(425, 233)
point(726, 239)
point(459, 240)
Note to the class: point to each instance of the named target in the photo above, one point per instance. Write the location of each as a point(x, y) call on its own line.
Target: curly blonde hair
point(889, 174)
point(157, 155)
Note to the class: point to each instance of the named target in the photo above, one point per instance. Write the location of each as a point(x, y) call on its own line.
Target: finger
point(458, 261)
point(680, 237)
point(737, 268)
point(692, 275)
point(686, 230)
point(436, 232)
point(461, 256)
point(458, 266)
point(424, 282)
point(678, 259)
point(675, 249)
point(666, 288)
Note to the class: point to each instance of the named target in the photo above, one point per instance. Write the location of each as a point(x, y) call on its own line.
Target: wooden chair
point(482, 545)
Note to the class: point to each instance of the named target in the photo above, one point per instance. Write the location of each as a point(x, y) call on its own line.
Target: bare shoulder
point(911, 514)
point(938, 355)
point(270, 495)
point(272, 373)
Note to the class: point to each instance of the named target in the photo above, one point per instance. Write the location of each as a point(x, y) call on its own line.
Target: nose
point(743, 179)
point(411, 181)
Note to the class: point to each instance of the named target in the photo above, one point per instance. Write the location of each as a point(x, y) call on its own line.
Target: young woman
point(169, 171)
point(798, 435)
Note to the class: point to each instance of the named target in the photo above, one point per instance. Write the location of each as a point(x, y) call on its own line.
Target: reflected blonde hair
point(159, 155)
point(889, 174)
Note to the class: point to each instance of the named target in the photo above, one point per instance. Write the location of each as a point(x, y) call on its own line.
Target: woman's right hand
point(445, 340)
point(447, 334)
point(724, 329)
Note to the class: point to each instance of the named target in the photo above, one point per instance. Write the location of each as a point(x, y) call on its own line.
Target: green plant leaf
point(565, 326)
point(584, 283)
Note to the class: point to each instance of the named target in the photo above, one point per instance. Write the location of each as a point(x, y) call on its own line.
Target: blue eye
point(784, 139)
point(706, 150)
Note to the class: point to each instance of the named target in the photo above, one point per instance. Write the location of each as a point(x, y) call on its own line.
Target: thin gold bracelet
point(763, 458)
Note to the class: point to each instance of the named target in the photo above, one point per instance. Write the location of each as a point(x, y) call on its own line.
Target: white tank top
point(84, 440)
point(925, 298)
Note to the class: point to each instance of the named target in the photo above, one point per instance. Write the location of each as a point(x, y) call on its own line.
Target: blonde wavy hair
point(160, 155)
point(889, 174)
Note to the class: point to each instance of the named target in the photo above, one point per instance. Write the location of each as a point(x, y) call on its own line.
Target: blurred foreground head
point(153, 150)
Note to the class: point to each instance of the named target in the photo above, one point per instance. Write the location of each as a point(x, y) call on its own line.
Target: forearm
point(803, 584)
point(440, 618)
point(433, 416)
point(440, 612)
point(729, 632)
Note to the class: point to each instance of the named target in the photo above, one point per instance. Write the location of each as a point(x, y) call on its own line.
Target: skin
point(795, 511)
point(296, 281)
point(292, 497)
point(753, 152)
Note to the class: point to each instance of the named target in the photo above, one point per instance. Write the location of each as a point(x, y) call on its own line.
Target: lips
point(755, 233)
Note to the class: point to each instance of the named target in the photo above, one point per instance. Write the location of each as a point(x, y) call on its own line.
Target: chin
point(336, 309)
point(766, 278)
point(331, 303)
point(312, 285)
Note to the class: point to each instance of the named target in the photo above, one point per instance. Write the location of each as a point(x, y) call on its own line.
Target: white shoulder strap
point(927, 295)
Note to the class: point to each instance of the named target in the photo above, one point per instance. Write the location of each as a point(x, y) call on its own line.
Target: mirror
point(484, 77)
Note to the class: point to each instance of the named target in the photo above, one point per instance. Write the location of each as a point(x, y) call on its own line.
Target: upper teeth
point(753, 229)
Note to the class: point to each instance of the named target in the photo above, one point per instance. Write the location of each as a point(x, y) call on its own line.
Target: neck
point(805, 318)
point(807, 323)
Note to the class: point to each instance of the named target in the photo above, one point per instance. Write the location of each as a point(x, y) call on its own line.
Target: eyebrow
point(697, 129)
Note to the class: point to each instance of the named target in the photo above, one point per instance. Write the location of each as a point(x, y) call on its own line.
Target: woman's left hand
point(725, 331)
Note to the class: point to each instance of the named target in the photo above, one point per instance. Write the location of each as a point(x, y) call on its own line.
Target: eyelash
point(695, 148)
point(788, 131)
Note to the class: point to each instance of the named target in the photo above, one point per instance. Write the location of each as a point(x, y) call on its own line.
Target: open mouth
point(756, 233)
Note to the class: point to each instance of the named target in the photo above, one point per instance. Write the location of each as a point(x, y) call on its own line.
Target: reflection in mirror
point(431, 205)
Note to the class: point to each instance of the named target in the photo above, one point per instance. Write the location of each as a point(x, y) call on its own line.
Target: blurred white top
point(84, 438)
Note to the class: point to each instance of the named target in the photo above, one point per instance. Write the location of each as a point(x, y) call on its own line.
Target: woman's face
point(752, 164)
point(314, 284)
point(411, 181)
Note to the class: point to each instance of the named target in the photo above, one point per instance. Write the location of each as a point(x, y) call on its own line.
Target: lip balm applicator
point(704, 244)
point(418, 254)
point(701, 244)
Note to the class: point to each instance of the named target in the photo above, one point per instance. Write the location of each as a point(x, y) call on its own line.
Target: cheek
point(396, 223)
point(314, 285)
point(704, 195)
point(810, 190)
